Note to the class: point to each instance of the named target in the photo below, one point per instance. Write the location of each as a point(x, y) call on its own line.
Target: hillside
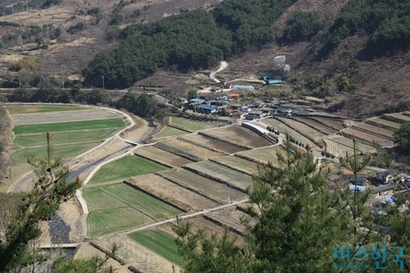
point(376, 81)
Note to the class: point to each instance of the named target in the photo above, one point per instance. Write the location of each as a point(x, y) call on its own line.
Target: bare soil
point(192, 149)
point(164, 187)
point(232, 217)
point(241, 135)
point(161, 156)
point(213, 143)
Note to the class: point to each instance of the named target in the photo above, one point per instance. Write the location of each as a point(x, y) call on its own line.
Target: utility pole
point(102, 77)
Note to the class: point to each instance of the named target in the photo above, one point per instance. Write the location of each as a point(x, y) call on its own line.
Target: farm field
point(263, 155)
point(337, 149)
point(347, 142)
point(319, 126)
point(231, 217)
point(28, 109)
point(284, 128)
point(371, 129)
point(125, 167)
point(238, 163)
point(103, 222)
point(165, 188)
point(384, 123)
point(192, 125)
point(332, 123)
point(398, 117)
point(238, 134)
point(189, 148)
point(202, 184)
point(139, 200)
point(161, 156)
point(210, 228)
point(213, 143)
point(362, 135)
point(63, 151)
point(69, 126)
point(159, 242)
point(63, 137)
point(168, 132)
point(117, 207)
point(303, 129)
point(66, 116)
point(215, 170)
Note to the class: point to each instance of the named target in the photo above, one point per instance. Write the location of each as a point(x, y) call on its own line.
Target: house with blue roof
point(209, 109)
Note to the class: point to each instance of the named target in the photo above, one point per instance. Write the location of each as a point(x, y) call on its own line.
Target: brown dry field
point(303, 129)
point(52, 117)
point(192, 149)
point(213, 143)
point(362, 135)
point(315, 124)
point(332, 123)
point(399, 117)
point(165, 187)
point(264, 155)
point(161, 156)
point(204, 185)
point(136, 255)
point(87, 251)
point(239, 134)
point(385, 122)
point(231, 217)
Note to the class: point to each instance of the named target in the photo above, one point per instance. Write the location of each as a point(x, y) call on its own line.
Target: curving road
point(222, 66)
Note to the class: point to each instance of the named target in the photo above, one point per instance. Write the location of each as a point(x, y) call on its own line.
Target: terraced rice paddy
point(384, 123)
point(204, 185)
point(232, 218)
point(303, 129)
point(238, 135)
point(179, 146)
point(161, 156)
point(284, 128)
point(238, 163)
point(53, 117)
point(374, 130)
point(218, 145)
point(63, 151)
point(119, 206)
point(317, 125)
point(347, 142)
point(64, 138)
point(330, 122)
point(362, 135)
point(125, 167)
point(165, 188)
point(29, 109)
point(192, 125)
point(217, 171)
point(159, 242)
point(168, 131)
point(398, 117)
point(69, 126)
point(263, 155)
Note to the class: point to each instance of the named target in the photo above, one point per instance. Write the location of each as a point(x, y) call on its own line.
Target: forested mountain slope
point(353, 53)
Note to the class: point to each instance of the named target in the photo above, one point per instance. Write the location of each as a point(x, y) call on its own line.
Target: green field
point(63, 137)
point(169, 131)
point(108, 221)
point(159, 242)
point(63, 151)
point(22, 109)
point(95, 195)
point(140, 200)
point(69, 126)
point(188, 124)
point(126, 167)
